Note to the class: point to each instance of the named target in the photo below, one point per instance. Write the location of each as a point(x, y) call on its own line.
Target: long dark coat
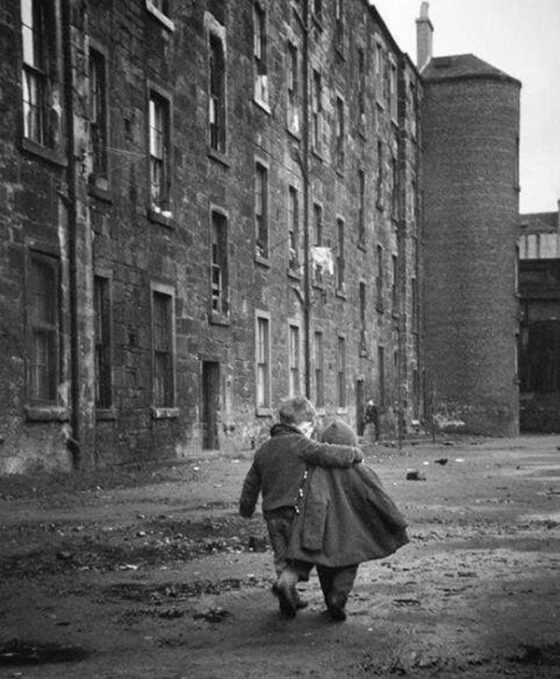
point(346, 517)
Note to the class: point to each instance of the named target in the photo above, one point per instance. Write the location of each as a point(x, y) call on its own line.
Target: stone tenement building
point(205, 206)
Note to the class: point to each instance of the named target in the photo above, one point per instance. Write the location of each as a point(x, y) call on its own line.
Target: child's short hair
point(296, 410)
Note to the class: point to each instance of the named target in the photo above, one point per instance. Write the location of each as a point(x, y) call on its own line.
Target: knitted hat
point(339, 432)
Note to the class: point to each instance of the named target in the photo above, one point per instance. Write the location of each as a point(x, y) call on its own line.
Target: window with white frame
point(363, 316)
point(293, 229)
point(261, 209)
point(41, 111)
point(379, 278)
point(43, 321)
point(393, 98)
point(262, 361)
point(217, 94)
point(159, 152)
point(380, 174)
point(293, 85)
point(219, 264)
point(259, 53)
point(340, 132)
point(295, 351)
point(339, 22)
point(361, 207)
point(361, 86)
point(318, 239)
point(163, 348)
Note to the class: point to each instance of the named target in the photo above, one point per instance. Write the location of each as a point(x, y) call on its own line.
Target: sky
point(520, 37)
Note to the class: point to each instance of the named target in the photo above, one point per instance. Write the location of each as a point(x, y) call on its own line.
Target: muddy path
point(153, 574)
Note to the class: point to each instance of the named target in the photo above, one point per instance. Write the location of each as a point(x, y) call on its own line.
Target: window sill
point(342, 410)
point(293, 273)
point(362, 245)
point(318, 155)
point(46, 414)
point(262, 261)
point(380, 105)
point(161, 217)
point(218, 319)
point(317, 22)
point(292, 131)
point(262, 105)
point(379, 206)
point(160, 16)
point(340, 170)
point(341, 293)
point(164, 413)
point(395, 122)
point(106, 414)
point(43, 152)
point(218, 156)
point(99, 188)
point(263, 411)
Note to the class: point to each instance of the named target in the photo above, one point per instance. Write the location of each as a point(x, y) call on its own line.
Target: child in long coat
point(346, 517)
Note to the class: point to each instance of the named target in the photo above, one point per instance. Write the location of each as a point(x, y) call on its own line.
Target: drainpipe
point(303, 20)
point(73, 441)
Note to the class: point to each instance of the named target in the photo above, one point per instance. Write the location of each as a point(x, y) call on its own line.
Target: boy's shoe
point(300, 603)
point(335, 607)
point(287, 598)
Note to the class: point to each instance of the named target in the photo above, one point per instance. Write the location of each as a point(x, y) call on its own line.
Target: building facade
point(206, 206)
point(539, 332)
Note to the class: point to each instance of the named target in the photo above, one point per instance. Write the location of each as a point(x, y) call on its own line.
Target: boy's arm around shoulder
point(250, 493)
point(330, 454)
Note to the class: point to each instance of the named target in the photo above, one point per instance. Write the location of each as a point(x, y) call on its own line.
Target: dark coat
point(346, 517)
point(279, 467)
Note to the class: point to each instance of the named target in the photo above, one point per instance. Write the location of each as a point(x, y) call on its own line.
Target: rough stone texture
point(117, 236)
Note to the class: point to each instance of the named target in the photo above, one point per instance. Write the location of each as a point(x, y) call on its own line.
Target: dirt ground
point(152, 574)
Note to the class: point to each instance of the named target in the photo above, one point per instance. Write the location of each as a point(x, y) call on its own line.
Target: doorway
point(360, 407)
point(210, 413)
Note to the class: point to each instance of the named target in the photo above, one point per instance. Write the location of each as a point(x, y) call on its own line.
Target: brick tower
point(471, 138)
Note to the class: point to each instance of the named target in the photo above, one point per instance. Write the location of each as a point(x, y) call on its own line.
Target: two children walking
point(322, 507)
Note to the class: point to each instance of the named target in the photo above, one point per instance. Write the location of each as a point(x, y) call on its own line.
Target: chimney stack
point(424, 37)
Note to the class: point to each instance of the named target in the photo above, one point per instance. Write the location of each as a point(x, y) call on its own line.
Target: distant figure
point(371, 417)
point(280, 467)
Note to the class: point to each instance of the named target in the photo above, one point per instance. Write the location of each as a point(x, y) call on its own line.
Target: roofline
point(473, 76)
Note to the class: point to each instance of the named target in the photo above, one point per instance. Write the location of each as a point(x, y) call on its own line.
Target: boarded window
point(98, 112)
point(163, 382)
point(261, 210)
point(103, 368)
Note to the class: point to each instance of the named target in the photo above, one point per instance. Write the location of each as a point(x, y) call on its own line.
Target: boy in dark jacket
point(278, 473)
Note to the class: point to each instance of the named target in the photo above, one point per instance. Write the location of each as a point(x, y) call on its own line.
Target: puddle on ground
point(19, 652)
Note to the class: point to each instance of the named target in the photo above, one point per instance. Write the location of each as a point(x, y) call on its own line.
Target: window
point(263, 362)
point(339, 22)
point(341, 373)
point(98, 113)
point(318, 363)
point(340, 263)
point(395, 286)
point(294, 116)
point(379, 279)
point(259, 53)
point(318, 238)
point(293, 227)
point(317, 112)
point(361, 208)
point(217, 95)
point(261, 210)
point(414, 303)
point(361, 87)
point(340, 132)
point(394, 188)
point(41, 118)
point(295, 350)
point(363, 317)
point(43, 324)
point(159, 152)
point(163, 378)
point(219, 264)
point(102, 320)
point(393, 99)
point(379, 183)
point(381, 374)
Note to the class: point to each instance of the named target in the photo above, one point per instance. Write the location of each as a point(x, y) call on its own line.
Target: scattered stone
point(442, 460)
point(414, 475)
point(217, 614)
